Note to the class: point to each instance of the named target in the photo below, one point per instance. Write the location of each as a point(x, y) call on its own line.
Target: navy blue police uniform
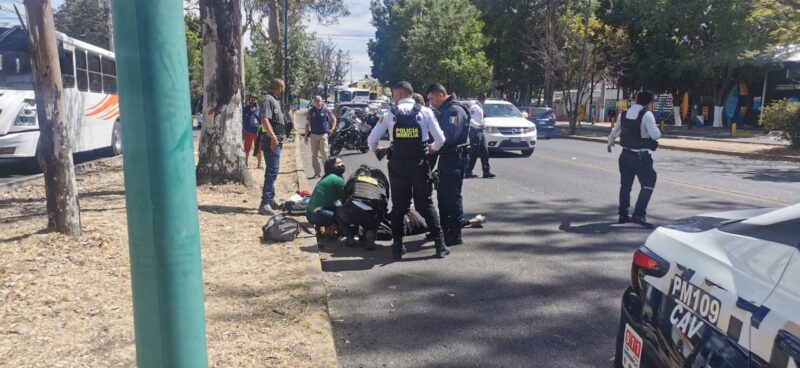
point(409, 178)
point(635, 161)
point(453, 118)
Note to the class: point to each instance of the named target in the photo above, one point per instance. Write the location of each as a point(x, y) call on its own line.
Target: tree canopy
point(84, 20)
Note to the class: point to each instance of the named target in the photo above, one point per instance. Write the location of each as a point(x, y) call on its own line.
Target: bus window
point(15, 64)
point(95, 78)
point(80, 68)
point(109, 76)
point(67, 69)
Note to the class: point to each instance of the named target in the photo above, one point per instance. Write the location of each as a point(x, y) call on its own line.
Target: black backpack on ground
point(282, 229)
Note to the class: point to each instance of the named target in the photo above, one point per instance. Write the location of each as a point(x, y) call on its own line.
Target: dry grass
point(67, 302)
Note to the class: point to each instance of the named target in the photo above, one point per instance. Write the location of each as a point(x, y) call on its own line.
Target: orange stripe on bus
point(111, 113)
point(112, 100)
point(102, 100)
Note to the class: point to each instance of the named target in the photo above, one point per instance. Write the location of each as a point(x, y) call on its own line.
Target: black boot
point(642, 222)
point(441, 250)
point(398, 250)
point(623, 219)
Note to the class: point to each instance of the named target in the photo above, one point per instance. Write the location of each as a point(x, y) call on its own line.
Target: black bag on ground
point(293, 208)
point(282, 229)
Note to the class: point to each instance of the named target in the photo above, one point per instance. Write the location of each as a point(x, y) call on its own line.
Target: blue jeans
point(325, 217)
point(272, 159)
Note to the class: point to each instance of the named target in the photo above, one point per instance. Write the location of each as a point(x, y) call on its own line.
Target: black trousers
point(478, 149)
point(410, 180)
point(636, 165)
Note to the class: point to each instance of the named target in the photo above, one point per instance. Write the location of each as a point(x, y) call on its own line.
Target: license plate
point(631, 348)
point(515, 140)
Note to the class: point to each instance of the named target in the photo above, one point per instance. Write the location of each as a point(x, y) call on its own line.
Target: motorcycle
point(351, 135)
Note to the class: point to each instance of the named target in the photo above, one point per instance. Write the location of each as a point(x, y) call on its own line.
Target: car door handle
point(789, 343)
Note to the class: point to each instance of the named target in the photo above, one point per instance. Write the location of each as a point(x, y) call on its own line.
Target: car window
point(784, 232)
point(501, 110)
point(539, 113)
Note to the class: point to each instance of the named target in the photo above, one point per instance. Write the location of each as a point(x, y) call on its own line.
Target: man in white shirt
point(639, 135)
point(477, 141)
point(409, 125)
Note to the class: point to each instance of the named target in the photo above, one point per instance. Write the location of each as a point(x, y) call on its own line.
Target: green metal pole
point(160, 186)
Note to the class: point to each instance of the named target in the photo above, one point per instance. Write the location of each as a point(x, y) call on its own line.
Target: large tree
point(430, 40)
point(84, 20)
point(332, 65)
point(221, 156)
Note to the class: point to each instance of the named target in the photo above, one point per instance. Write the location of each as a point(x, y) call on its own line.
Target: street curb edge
point(326, 355)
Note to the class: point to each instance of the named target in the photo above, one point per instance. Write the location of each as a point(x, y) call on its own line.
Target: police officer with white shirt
point(639, 136)
point(409, 125)
point(477, 141)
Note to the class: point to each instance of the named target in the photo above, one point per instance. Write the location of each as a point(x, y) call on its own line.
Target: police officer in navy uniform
point(409, 124)
point(454, 119)
point(638, 134)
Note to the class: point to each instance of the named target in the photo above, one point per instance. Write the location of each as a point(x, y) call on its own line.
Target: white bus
point(90, 94)
point(347, 95)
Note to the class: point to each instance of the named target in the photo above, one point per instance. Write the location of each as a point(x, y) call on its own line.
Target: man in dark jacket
point(454, 120)
point(251, 120)
point(274, 125)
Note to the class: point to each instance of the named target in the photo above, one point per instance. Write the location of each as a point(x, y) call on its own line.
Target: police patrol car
point(716, 290)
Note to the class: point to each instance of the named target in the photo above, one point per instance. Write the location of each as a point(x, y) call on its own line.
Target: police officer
point(320, 125)
point(453, 118)
point(477, 141)
point(638, 134)
point(409, 125)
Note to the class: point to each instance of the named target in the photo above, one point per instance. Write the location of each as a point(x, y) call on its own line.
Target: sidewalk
point(706, 133)
point(67, 302)
point(702, 140)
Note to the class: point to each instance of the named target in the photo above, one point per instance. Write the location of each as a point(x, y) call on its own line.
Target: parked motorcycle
point(352, 134)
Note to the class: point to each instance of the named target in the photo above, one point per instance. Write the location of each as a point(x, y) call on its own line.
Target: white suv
point(508, 129)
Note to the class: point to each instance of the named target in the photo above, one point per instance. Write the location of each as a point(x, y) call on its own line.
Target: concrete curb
point(25, 180)
point(701, 150)
point(323, 345)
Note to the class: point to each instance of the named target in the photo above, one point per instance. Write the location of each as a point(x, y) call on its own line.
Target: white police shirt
point(649, 127)
point(426, 119)
point(476, 116)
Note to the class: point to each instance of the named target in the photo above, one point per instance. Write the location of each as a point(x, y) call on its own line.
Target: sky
point(350, 33)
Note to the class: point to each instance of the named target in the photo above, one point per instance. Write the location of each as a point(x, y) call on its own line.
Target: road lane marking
point(673, 181)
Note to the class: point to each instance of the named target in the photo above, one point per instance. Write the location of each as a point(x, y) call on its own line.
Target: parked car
point(545, 120)
point(715, 290)
point(508, 129)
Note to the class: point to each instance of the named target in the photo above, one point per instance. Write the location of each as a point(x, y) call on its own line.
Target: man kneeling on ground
point(322, 206)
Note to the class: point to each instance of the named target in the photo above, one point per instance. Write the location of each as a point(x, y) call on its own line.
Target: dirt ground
point(67, 302)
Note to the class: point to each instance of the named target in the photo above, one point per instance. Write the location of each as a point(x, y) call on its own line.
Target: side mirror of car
point(525, 115)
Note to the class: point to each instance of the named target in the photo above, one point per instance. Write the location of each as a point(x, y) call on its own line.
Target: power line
point(343, 35)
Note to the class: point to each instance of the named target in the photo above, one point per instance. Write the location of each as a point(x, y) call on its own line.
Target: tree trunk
point(274, 26)
point(221, 148)
point(54, 150)
point(550, 47)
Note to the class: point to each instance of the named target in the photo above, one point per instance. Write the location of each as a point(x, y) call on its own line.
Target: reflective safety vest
point(407, 139)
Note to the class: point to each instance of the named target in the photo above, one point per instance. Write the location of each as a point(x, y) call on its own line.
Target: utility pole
point(582, 81)
point(54, 151)
point(160, 186)
point(286, 95)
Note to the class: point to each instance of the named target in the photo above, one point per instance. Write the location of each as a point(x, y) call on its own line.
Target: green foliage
point(780, 19)
point(430, 40)
point(194, 53)
point(84, 20)
point(783, 116)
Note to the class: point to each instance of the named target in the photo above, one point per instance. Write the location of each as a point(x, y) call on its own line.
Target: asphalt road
point(540, 285)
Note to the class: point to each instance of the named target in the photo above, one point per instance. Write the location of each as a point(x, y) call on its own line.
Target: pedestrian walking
point(320, 125)
point(453, 119)
point(273, 123)
point(477, 141)
point(251, 121)
point(409, 125)
point(639, 136)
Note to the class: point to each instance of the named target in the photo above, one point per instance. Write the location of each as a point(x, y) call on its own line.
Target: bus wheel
point(116, 139)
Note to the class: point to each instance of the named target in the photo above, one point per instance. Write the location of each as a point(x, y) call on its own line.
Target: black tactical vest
point(407, 139)
point(631, 136)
